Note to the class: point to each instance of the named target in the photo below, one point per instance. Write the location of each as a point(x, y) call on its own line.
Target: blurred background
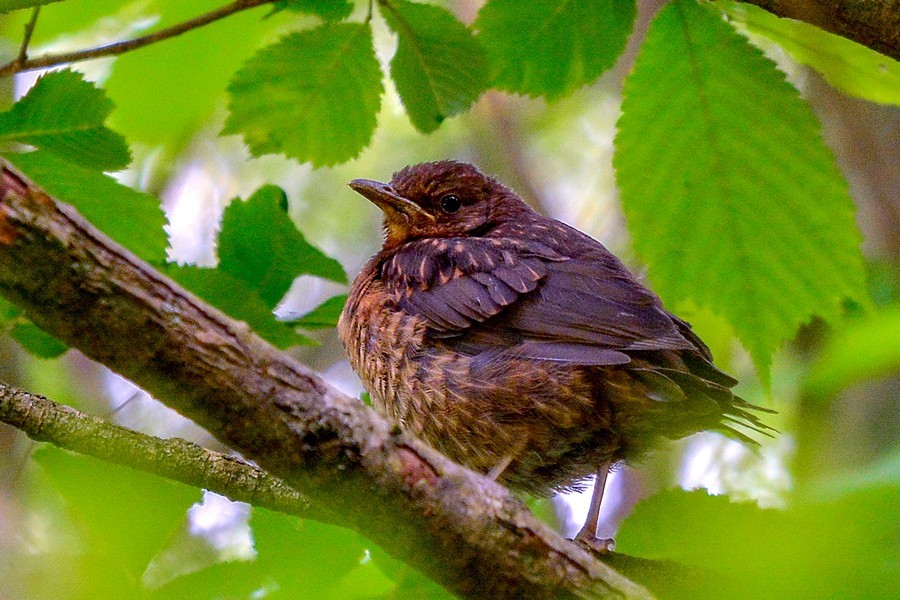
point(557, 156)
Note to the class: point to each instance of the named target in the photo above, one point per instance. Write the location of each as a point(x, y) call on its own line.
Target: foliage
point(260, 255)
point(853, 69)
point(64, 114)
point(314, 96)
point(843, 546)
point(526, 59)
point(706, 145)
point(439, 68)
point(320, 109)
point(102, 200)
point(9, 5)
point(734, 202)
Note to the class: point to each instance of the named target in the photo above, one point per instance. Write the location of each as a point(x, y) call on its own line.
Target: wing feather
point(534, 301)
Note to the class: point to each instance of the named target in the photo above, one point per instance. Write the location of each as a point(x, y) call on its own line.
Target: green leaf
point(31, 337)
point(883, 473)
point(323, 316)
point(313, 96)
point(9, 312)
point(182, 81)
point(10, 5)
point(792, 548)
point(552, 47)
point(329, 10)
point(865, 349)
point(133, 219)
point(236, 298)
point(283, 542)
point(261, 245)
point(58, 18)
point(290, 564)
point(439, 67)
point(38, 342)
point(734, 201)
point(129, 515)
point(64, 114)
point(848, 66)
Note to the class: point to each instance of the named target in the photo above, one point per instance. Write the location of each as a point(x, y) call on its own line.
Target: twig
point(26, 39)
point(21, 64)
point(46, 421)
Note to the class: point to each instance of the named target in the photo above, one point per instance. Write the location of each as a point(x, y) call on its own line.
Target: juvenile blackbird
point(517, 345)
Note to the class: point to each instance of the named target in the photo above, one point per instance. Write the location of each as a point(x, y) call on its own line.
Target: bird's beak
point(384, 197)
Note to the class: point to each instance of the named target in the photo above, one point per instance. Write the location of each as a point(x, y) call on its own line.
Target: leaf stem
point(23, 63)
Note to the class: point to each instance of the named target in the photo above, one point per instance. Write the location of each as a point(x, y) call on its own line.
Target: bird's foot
point(588, 540)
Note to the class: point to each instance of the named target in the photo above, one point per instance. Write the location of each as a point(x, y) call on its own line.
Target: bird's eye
point(450, 203)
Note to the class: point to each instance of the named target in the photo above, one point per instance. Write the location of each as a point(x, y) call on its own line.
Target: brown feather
point(497, 334)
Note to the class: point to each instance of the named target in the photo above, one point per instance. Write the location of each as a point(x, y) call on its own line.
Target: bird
point(519, 346)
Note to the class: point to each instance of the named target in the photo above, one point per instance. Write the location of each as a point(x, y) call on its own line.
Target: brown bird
point(517, 345)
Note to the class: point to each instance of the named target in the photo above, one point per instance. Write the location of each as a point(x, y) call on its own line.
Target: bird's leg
point(497, 470)
point(588, 533)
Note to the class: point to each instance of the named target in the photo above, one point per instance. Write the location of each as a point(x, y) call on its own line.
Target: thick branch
point(22, 63)
point(461, 529)
point(872, 23)
point(46, 421)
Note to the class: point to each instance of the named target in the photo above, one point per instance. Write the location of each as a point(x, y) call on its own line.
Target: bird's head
point(439, 199)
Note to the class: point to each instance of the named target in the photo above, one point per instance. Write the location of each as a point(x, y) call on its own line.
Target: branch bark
point(872, 23)
point(459, 528)
point(46, 421)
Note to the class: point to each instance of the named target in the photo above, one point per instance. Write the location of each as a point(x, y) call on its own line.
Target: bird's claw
point(597, 545)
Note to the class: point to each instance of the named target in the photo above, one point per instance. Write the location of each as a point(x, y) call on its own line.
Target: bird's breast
point(383, 344)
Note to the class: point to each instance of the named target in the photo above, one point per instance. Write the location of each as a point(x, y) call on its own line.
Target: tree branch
point(46, 421)
point(459, 528)
point(22, 63)
point(872, 23)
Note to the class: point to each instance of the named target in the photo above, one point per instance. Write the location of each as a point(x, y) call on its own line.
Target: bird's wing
point(455, 283)
point(504, 294)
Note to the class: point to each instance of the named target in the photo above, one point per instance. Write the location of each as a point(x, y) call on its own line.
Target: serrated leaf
point(261, 245)
point(238, 300)
point(848, 66)
point(64, 114)
point(734, 201)
point(323, 316)
point(552, 47)
point(313, 96)
point(329, 10)
point(439, 67)
point(9, 5)
point(133, 219)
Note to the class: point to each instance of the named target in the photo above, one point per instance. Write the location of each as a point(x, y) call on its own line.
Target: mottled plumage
point(515, 343)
